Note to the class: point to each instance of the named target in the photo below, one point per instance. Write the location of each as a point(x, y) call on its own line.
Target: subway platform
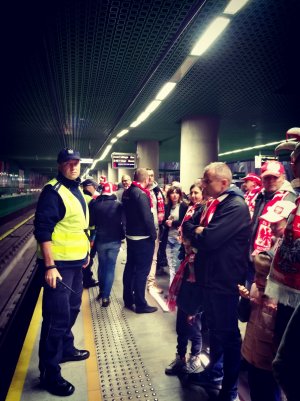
point(129, 353)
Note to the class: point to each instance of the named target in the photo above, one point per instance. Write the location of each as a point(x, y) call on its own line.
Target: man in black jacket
point(222, 241)
point(140, 237)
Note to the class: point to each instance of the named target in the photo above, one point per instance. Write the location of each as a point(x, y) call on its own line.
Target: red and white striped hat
point(107, 188)
point(252, 177)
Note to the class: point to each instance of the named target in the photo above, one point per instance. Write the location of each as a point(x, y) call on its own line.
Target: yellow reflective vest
point(69, 238)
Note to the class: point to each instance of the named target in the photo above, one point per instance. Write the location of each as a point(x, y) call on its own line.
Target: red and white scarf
point(263, 237)
point(284, 278)
point(177, 280)
point(250, 197)
point(188, 215)
point(160, 207)
point(146, 190)
point(207, 214)
point(209, 209)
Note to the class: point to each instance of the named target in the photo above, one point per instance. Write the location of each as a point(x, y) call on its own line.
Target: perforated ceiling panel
point(78, 71)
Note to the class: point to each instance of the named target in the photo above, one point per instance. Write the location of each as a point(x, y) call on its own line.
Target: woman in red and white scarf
point(183, 293)
point(196, 203)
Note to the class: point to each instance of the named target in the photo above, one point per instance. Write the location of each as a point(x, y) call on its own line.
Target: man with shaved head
point(222, 241)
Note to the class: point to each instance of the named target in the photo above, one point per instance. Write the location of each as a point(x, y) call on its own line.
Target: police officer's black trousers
point(60, 309)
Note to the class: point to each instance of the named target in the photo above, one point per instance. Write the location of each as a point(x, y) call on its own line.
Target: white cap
point(279, 211)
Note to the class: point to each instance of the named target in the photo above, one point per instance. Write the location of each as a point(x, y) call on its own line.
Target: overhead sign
point(260, 159)
point(123, 160)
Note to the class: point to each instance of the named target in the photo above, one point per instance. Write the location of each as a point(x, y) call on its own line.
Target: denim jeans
point(172, 252)
point(107, 257)
point(60, 309)
point(188, 331)
point(137, 268)
point(224, 337)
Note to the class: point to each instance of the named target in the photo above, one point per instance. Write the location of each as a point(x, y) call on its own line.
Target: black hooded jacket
point(139, 218)
point(106, 213)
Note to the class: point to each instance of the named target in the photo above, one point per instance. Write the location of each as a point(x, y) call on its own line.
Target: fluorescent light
point(86, 161)
point(165, 90)
point(94, 164)
point(104, 154)
point(211, 34)
point(114, 140)
point(135, 123)
point(122, 133)
point(152, 106)
point(250, 148)
point(234, 6)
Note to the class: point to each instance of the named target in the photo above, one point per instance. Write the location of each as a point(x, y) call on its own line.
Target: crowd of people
point(231, 253)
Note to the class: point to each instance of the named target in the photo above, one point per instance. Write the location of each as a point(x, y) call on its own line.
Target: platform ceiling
point(76, 72)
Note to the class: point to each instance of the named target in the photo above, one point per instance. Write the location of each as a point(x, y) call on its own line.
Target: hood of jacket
point(233, 190)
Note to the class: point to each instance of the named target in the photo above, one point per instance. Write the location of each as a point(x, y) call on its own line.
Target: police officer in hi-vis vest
point(61, 223)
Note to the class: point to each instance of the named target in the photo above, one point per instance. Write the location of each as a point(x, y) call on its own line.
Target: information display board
point(123, 160)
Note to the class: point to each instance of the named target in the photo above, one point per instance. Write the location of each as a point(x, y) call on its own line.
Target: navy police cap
point(89, 181)
point(67, 154)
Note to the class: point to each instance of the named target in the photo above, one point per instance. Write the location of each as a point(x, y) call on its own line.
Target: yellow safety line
point(14, 228)
point(18, 380)
point(93, 378)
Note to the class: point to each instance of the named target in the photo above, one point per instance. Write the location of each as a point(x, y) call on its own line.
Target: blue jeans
point(107, 257)
point(60, 309)
point(221, 312)
point(172, 251)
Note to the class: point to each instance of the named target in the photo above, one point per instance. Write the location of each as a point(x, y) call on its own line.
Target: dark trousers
point(283, 316)
point(221, 312)
point(137, 268)
point(262, 384)
point(188, 331)
point(60, 309)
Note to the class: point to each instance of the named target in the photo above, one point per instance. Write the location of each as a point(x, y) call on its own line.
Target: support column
point(148, 155)
point(127, 171)
point(112, 173)
point(199, 147)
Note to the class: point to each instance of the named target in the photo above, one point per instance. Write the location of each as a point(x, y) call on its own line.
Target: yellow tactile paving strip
point(93, 379)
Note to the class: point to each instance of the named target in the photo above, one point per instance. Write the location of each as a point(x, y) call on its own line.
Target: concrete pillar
point(127, 171)
point(148, 155)
point(112, 173)
point(199, 147)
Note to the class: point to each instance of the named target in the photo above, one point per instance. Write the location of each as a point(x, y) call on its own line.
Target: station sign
point(123, 160)
point(260, 159)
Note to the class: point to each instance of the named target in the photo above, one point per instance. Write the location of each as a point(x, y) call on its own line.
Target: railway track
point(19, 289)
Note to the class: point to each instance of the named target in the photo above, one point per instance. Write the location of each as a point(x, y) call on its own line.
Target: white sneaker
point(175, 366)
point(194, 364)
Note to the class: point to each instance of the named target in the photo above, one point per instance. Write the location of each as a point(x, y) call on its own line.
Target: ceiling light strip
point(208, 37)
point(250, 148)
